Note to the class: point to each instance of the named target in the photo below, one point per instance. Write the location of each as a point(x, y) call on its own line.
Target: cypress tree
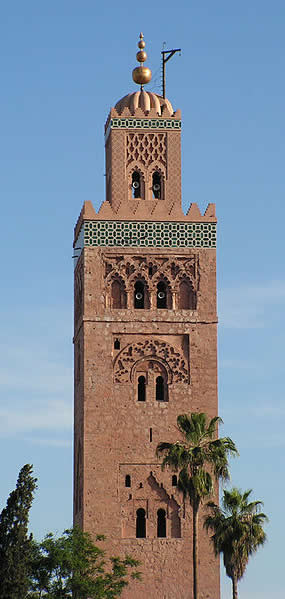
point(15, 543)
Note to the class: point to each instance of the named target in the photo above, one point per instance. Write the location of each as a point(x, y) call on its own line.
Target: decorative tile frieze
point(149, 234)
point(131, 123)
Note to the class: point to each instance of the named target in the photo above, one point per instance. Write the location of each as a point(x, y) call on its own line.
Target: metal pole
point(166, 55)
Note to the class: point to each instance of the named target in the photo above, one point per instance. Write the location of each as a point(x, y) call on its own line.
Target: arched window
point(136, 185)
point(118, 295)
point(141, 388)
point(127, 480)
point(187, 297)
point(161, 523)
point(156, 185)
point(161, 295)
point(174, 480)
point(159, 389)
point(140, 524)
point(117, 344)
point(141, 298)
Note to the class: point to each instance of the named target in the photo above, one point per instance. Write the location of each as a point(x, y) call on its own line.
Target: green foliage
point(15, 544)
point(238, 530)
point(199, 456)
point(73, 566)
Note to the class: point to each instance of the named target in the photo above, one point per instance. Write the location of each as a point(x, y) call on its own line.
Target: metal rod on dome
point(166, 55)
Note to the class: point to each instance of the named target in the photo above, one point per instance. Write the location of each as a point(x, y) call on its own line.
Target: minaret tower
point(145, 346)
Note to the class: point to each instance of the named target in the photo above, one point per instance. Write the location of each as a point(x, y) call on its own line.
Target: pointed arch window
point(161, 295)
point(141, 298)
point(140, 524)
point(141, 388)
point(187, 296)
point(156, 185)
point(136, 185)
point(161, 523)
point(118, 295)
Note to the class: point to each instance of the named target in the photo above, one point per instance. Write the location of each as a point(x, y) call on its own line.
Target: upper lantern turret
point(148, 102)
point(141, 74)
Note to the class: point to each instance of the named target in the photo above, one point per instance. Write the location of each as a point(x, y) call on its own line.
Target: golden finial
point(141, 74)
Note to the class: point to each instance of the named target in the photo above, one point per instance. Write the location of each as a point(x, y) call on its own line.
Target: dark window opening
point(141, 485)
point(136, 185)
point(161, 523)
point(139, 295)
point(150, 435)
point(174, 480)
point(117, 344)
point(156, 186)
point(127, 480)
point(159, 389)
point(150, 271)
point(141, 388)
point(161, 297)
point(140, 524)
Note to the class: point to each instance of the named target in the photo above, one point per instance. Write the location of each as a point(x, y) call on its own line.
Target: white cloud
point(250, 306)
point(33, 415)
point(31, 369)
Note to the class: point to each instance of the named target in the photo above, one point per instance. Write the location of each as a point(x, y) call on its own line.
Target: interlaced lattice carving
point(150, 349)
point(153, 268)
point(147, 148)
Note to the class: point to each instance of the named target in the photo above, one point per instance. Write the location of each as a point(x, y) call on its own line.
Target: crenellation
point(145, 348)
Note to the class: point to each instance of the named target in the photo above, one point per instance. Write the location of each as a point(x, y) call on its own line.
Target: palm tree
point(199, 457)
point(237, 531)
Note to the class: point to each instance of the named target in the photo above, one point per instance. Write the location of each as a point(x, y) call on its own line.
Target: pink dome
point(144, 100)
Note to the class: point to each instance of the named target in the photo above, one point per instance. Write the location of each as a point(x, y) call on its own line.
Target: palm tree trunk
point(195, 549)
point(235, 590)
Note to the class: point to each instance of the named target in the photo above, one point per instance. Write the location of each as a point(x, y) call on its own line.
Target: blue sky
point(63, 65)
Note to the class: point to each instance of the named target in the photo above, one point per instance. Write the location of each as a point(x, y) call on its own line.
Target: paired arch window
point(140, 524)
point(160, 388)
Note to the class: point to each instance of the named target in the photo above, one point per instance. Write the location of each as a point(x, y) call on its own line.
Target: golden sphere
point(141, 75)
point(141, 44)
point(141, 56)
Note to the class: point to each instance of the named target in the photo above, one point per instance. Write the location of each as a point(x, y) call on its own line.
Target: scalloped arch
point(151, 349)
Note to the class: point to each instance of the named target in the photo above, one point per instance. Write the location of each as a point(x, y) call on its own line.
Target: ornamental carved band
point(152, 269)
point(159, 350)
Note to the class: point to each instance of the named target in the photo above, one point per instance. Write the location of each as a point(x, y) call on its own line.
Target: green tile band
point(149, 234)
point(169, 124)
